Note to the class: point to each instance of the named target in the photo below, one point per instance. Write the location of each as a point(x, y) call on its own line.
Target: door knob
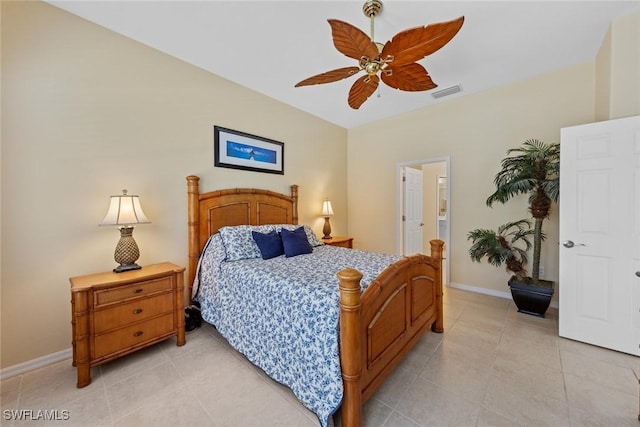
point(570, 244)
point(638, 273)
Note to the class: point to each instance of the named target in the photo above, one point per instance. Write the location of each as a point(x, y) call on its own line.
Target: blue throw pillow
point(295, 242)
point(270, 244)
point(311, 236)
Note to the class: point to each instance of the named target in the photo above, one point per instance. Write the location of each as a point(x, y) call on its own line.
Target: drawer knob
point(137, 291)
point(137, 311)
point(138, 334)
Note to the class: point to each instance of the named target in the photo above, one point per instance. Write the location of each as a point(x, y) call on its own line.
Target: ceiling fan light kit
point(393, 62)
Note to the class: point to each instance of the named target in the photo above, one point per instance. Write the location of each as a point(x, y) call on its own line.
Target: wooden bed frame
point(378, 327)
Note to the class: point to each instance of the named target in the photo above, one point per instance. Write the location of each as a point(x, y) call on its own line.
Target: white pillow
point(238, 241)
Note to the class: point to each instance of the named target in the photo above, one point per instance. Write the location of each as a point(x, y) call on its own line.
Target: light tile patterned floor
point(491, 367)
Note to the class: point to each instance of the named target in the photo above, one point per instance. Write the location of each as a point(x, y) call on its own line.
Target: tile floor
point(491, 367)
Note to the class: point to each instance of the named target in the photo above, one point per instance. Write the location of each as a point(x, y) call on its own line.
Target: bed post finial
point(193, 231)
point(350, 345)
point(437, 247)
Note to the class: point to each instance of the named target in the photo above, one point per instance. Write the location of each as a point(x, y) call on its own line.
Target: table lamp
point(327, 211)
point(125, 211)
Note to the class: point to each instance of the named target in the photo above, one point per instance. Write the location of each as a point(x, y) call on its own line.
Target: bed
point(378, 311)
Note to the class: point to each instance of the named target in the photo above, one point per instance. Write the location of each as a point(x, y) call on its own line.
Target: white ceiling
point(269, 46)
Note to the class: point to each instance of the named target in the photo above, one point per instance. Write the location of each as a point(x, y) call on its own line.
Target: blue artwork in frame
point(251, 152)
point(240, 150)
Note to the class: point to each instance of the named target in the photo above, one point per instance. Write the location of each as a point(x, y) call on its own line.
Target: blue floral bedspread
point(283, 314)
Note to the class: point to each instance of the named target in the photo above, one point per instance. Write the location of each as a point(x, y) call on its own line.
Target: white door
point(599, 281)
point(412, 211)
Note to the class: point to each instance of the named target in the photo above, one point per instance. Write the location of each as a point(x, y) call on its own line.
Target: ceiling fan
point(394, 62)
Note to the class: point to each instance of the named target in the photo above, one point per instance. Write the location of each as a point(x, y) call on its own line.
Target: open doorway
point(428, 215)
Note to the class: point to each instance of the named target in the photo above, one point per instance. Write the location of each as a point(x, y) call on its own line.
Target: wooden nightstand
point(113, 314)
point(344, 242)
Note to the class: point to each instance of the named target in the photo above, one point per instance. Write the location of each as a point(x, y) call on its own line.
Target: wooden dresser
point(113, 314)
point(344, 242)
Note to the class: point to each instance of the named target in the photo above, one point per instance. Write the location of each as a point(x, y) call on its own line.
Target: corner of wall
point(617, 87)
point(625, 66)
point(603, 79)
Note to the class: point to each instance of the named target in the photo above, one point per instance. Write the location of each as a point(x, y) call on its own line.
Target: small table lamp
point(327, 211)
point(125, 211)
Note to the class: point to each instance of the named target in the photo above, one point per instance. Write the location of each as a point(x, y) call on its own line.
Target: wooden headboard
point(208, 212)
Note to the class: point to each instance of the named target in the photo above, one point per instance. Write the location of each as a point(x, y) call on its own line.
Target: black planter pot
point(530, 299)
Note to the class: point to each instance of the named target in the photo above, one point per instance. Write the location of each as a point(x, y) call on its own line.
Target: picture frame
point(239, 150)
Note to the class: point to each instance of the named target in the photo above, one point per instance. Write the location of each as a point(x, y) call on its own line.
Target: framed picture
point(239, 150)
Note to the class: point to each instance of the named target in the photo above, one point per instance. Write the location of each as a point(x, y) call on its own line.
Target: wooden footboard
point(377, 328)
point(380, 326)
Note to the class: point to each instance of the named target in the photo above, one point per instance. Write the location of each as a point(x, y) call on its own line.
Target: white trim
point(485, 291)
point(21, 368)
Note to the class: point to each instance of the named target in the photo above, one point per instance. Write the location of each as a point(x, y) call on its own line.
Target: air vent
point(446, 92)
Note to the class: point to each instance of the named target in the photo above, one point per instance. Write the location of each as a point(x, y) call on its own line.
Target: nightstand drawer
point(342, 242)
point(135, 290)
point(133, 335)
point(345, 244)
point(134, 311)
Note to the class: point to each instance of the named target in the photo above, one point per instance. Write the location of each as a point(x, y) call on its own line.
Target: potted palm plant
point(531, 169)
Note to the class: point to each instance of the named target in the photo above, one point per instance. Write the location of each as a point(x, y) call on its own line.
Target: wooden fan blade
point(352, 41)
point(362, 90)
point(410, 77)
point(329, 76)
point(415, 43)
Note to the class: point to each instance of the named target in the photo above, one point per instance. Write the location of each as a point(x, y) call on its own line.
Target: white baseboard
point(21, 368)
point(492, 292)
point(49, 359)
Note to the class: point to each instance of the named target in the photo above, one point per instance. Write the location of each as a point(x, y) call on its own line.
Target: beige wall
point(603, 79)
point(618, 68)
point(625, 67)
point(86, 113)
point(475, 131)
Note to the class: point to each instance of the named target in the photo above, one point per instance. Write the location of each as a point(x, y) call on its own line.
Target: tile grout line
point(106, 396)
point(194, 395)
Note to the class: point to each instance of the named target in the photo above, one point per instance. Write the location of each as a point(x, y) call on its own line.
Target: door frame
point(399, 206)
